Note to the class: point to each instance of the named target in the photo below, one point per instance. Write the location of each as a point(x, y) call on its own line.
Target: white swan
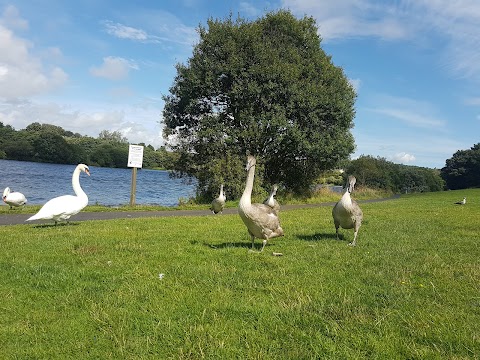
point(63, 207)
point(13, 198)
point(346, 213)
point(261, 221)
point(270, 201)
point(219, 203)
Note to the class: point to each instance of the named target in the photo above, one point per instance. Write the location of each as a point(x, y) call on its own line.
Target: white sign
point(135, 156)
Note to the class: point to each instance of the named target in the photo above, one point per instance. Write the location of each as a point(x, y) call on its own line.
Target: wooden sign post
point(135, 160)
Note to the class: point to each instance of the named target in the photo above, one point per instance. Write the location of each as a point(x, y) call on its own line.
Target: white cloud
point(162, 27)
point(136, 133)
point(454, 23)
point(11, 19)
point(457, 22)
point(352, 18)
point(22, 73)
point(247, 9)
point(402, 157)
point(355, 83)
point(412, 118)
point(438, 148)
point(113, 68)
point(125, 32)
point(416, 113)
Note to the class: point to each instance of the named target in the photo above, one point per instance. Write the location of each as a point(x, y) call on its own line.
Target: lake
point(41, 182)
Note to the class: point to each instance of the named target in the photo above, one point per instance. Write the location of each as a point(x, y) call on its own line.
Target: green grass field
point(93, 290)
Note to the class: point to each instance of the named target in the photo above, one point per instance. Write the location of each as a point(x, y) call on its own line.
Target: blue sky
point(91, 65)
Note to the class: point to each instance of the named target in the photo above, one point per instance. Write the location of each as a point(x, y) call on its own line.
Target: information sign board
point(135, 156)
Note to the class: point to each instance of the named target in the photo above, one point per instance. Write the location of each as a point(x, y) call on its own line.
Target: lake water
point(40, 182)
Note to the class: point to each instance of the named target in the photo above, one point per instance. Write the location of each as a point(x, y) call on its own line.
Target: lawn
point(188, 287)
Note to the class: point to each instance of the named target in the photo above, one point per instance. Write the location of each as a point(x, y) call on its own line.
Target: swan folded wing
point(265, 224)
point(347, 215)
point(217, 206)
point(356, 209)
point(61, 208)
point(16, 199)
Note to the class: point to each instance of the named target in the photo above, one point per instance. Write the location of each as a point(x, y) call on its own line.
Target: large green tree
point(264, 87)
point(462, 170)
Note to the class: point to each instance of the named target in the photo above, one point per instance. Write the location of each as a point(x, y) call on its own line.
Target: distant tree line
point(52, 144)
point(377, 172)
point(461, 171)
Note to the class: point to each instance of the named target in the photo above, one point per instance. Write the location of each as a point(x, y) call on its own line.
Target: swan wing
point(60, 208)
point(16, 199)
point(347, 216)
point(262, 221)
point(357, 212)
point(217, 205)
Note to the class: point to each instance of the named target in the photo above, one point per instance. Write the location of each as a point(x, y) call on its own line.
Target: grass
point(92, 290)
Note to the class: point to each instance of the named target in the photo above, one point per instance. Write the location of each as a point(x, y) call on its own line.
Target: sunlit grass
point(91, 290)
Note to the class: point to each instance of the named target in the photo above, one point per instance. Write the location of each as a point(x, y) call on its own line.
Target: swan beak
point(87, 172)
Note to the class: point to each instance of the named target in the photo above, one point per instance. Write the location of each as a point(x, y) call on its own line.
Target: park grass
point(93, 289)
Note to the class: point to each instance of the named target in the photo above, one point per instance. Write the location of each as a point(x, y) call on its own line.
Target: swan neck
point(346, 199)
point(246, 198)
point(76, 183)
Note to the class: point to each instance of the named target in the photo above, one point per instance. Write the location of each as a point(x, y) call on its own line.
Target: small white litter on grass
point(161, 276)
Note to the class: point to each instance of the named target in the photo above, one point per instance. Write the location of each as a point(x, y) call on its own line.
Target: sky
point(90, 65)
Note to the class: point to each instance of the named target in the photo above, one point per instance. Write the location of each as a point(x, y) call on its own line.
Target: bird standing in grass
point(13, 198)
point(218, 203)
point(63, 207)
point(346, 212)
point(463, 202)
point(271, 201)
point(261, 220)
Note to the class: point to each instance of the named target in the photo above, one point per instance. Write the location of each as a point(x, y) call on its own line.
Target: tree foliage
point(462, 170)
point(112, 136)
point(264, 87)
point(377, 172)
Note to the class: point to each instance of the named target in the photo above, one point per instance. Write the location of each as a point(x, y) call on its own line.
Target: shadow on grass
point(53, 225)
point(226, 245)
point(321, 237)
point(245, 245)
